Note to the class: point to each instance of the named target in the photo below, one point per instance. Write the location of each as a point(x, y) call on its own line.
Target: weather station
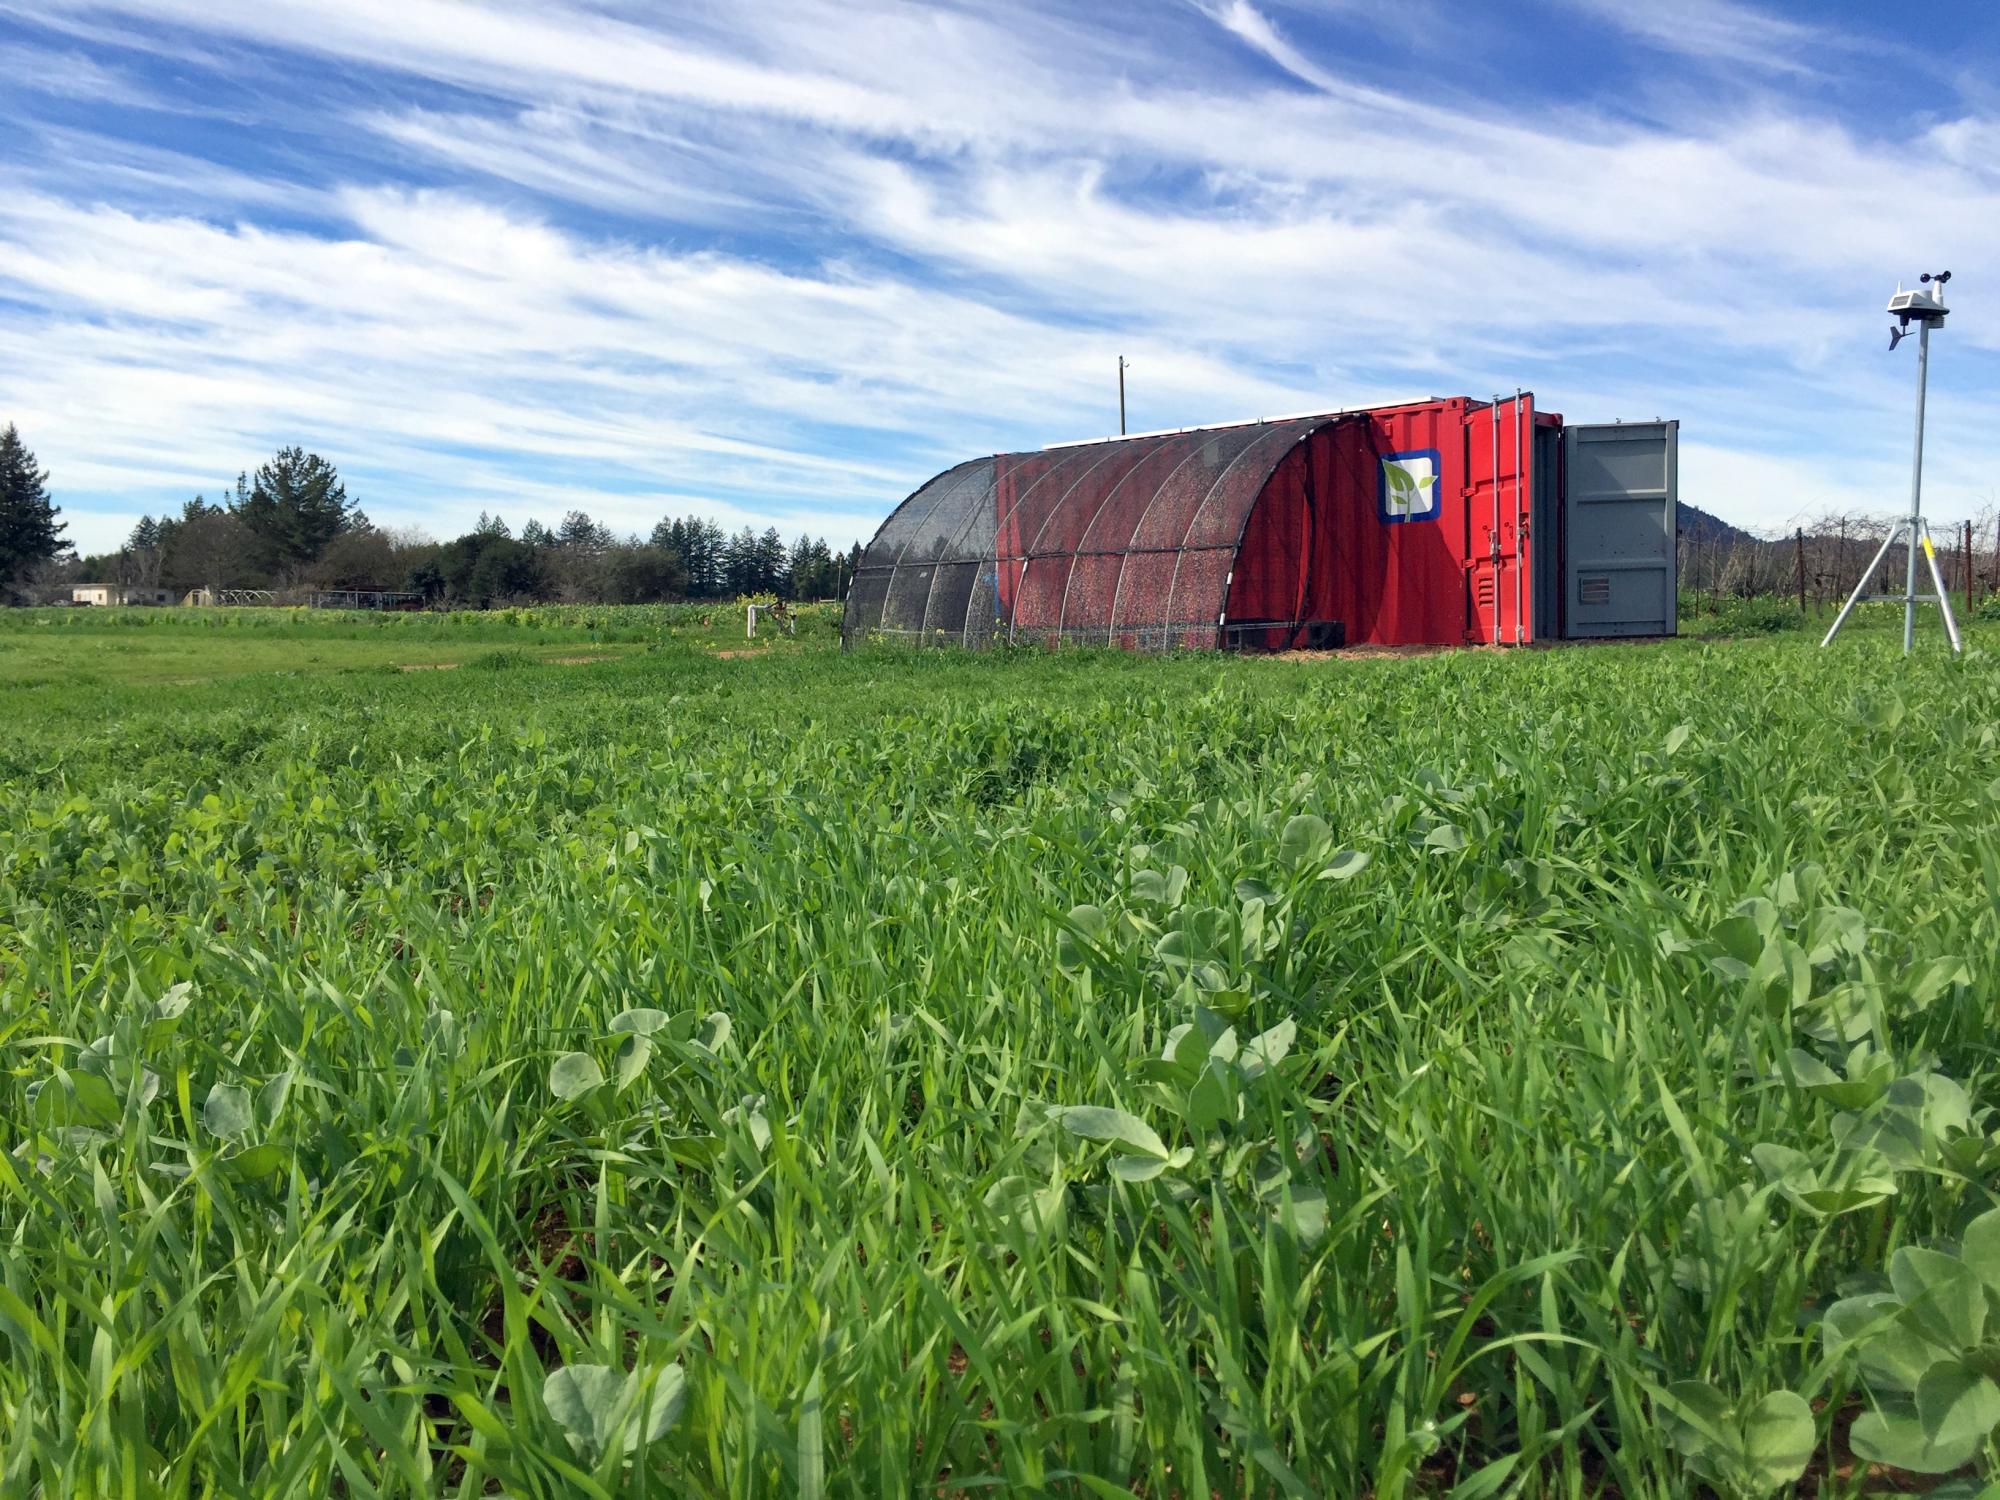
point(1923, 305)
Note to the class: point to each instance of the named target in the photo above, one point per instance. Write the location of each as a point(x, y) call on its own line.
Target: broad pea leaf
point(1738, 938)
point(642, 1021)
point(574, 1075)
point(1749, 1450)
point(713, 1033)
point(1979, 1251)
point(1085, 927)
point(1696, 1416)
point(1035, 1208)
point(633, 1055)
point(1782, 974)
point(1266, 1050)
point(167, 1011)
point(1187, 1047)
point(228, 1111)
point(254, 1161)
point(1212, 1100)
point(1345, 865)
point(1306, 838)
point(1842, 1015)
point(1897, 1438)
point(597, 1406)
point(1943, 1298)
point(1834, 930)
point(1112, 1126)
point(1935, 979)
point(1893, 1353)
point(96, 1102)
point(1302, 1213)
point(1146, 1168)
point(1448, 838)
point(1956, 1404)
point(1778, 1440)
point(271, 1098)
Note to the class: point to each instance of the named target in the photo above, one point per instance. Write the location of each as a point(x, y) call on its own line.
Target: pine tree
point(799, 569)
point(771, 573)
point(30, 535)
point(146, 548)
point(706, 544)
point(492, 526)
point(581, 534)
point(739, 562)
point(296, 507)
point(207, 546)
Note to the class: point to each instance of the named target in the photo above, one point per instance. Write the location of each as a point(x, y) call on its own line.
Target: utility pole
point(1121, 395)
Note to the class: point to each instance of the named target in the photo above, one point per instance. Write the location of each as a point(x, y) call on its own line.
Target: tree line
point(581, 561)
point(291, 526)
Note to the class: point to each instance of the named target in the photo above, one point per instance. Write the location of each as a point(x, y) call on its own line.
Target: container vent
point(1593, 588)
point(1482, 591)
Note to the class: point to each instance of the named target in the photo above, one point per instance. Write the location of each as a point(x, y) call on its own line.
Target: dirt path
point(549, 661)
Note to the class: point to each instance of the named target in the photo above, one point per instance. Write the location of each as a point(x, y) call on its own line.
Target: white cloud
point(174, 350)
point(879, 235)
point(1243, 20)
point(1712, 31)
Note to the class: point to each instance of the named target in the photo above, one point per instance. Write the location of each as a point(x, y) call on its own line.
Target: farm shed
point(113, 594)
point(1432, 523)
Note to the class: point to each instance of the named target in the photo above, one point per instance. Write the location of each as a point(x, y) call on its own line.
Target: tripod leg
point(1943, 596)
point(1862, 587)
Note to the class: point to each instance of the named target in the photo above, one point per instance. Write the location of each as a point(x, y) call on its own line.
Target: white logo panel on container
point(1409, 486)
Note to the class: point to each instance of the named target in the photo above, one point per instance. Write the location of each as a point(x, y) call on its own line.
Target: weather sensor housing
point(1926, 303)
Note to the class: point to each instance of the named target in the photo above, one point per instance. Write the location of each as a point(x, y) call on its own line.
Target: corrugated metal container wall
point(1406, 524)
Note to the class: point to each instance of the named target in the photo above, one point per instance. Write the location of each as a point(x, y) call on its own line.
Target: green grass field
point(1555, 1073)
point(179, 648)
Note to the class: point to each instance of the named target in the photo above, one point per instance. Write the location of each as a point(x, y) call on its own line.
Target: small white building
point(117, 593)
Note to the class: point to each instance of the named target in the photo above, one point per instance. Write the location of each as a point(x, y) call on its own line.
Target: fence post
point(1965, 560)
point(1799, 557)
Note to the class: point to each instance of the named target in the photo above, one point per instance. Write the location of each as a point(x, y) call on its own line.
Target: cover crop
point(1556, 1073)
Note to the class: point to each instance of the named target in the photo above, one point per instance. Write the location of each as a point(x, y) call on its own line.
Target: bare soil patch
point(1359, 653)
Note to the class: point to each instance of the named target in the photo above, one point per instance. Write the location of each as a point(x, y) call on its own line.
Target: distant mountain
point(1698, 526)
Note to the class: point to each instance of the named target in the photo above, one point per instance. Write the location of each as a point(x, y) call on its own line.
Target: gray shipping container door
point(1620, 485)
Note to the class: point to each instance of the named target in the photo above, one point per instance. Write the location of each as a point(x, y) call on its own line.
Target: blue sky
point(779, 262)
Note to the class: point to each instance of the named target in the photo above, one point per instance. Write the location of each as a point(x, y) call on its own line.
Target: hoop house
point(1130, 542)
point(1273, 534)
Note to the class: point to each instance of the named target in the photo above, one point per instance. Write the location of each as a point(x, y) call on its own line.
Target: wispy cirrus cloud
point(1716, 31)
point(788, 259)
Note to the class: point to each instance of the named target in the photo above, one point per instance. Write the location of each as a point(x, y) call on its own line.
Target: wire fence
point(1815, 562)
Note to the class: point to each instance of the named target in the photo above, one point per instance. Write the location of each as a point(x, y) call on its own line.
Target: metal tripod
point(1912, 530)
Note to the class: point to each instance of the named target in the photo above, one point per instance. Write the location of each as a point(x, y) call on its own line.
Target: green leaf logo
point(1408, 487)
